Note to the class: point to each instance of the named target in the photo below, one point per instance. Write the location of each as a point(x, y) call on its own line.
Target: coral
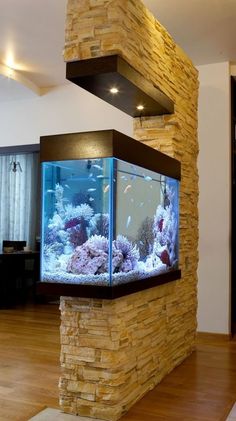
point(78, 234)
point(64, 236)
point(51, 252)
point(62, 262)
point(59, 200)
point(55, 248)
point(145, 237)
point(99, 224)
point(71, 223)
point(90, 258)
point(56, 222)
point(165, 258)
point(51, 235)
point(98, 242)
point(69, 212)
point(77, 212)
point(76, 223)
point(165, 235)
point(159, 220)
point(129, 252)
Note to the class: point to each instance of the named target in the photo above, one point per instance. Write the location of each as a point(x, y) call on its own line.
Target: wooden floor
point(29, 361)
point(203, 388)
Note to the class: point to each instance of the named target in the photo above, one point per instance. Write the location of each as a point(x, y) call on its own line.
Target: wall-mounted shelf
point(112, 79)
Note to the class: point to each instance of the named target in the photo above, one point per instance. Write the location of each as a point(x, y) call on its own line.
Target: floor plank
point(202, 388)
point(29, 361)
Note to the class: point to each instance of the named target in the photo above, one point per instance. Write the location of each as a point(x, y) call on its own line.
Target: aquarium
point(107, 222)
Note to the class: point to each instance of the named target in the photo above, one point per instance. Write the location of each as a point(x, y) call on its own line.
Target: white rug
point(50, 414)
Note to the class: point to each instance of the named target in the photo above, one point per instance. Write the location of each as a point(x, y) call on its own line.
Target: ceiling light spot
point(140, 107)
point(114, 90)
point(10, 59)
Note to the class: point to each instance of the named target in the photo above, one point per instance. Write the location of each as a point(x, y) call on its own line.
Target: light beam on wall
point(15, 75)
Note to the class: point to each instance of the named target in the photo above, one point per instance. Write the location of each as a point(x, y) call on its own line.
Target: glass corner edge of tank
point(43, 165)
point(112, 180)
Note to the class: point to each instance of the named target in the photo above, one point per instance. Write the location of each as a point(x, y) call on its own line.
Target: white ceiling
point(32, 34)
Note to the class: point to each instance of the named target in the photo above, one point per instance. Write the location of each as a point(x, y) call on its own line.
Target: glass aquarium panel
point(75, 221)
point(106, 222)
point(145, 223)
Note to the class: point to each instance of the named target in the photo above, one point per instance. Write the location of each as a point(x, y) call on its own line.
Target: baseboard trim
point(213, 337)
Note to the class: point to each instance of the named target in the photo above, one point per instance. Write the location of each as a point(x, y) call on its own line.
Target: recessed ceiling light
point(140, 107)
point(114, 90)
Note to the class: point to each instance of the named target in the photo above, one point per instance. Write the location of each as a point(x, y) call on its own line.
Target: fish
point(106, 188)
point(90, 175)
point(141, 242)
point(127, 188)
point(91, 190)
point(147, 178)
point(50, 191)
point(98, 167)
point(66, 185)
point(128, 221)
point(93, 179)
point(91, 199)
point(100, 176)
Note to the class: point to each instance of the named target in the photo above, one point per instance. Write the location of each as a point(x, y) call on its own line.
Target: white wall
point(214, 201)
point(63, 109)
point(70, 109)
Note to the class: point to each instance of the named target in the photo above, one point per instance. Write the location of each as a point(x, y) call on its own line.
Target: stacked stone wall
point(113, 352)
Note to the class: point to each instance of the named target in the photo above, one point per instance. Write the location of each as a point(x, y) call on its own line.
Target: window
point(19, 197)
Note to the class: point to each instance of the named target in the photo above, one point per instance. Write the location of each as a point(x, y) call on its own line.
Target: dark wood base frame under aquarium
point(106, 292)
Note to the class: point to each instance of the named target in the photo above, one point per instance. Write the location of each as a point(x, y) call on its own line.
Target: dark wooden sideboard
point(19, 273)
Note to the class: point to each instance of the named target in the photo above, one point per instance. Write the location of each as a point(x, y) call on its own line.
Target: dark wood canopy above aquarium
point(112, 79)
point(110, 215)
point(105, 144)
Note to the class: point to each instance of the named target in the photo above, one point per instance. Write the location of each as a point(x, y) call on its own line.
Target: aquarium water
point(107, 222)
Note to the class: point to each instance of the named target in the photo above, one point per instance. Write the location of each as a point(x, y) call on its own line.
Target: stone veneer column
point(113, 352)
